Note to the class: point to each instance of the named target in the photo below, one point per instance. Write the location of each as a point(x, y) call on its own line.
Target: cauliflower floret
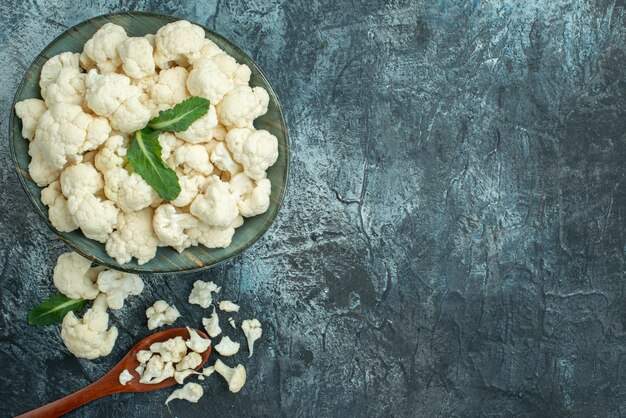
point(228, 306)
point(29, 111)
point(190, 361)
point(212, 237)
point(95, 217)
point(181, 376)
point(88, 337)
point(81, 179)
point(196, 342)
point(193, 158)
point(191, 392)
point(217, 206)
point(143, 356)
point(169, 226)
point(58, 213)
point(161, 314)
point(212, 325)
point(69, 87)
point(176, 40)
point(169, 142)
point(221, 158)
point(65, 131)
point(173, 350)
point(131, 116)
point(118, 286)
point(52, 68)
point(125, 377)
point(235, 376)
point(40, 171)
point(101, 50)
point(157, 370)
point(206, 79)
point(170, 88)
point(133, 238)
point(241, 106)
point(201, 293)
point(134, 194)
point(219, 133)
point(189, 187)
point(112, 153)
point(252, 330)
point(255, 201)
point(256, 151)
point(136, 57)
point(227, 347)
point(201, 130)
point(239, 74)
point(209, 50)
point(74, 277)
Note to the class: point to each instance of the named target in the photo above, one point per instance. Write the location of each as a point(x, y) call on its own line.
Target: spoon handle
point(98, 389)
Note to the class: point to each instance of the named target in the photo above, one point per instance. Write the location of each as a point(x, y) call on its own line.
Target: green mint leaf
point(54, 310)
point(144, 156)
point(178, 118)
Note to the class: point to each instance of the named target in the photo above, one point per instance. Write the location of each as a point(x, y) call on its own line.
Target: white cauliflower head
point(133, 238)
point(29, 111)
point(102, 49)
point(74, 277)
point(201, 130)
point(89, 337)
point(256, 151)
point(192, 158)
point(173, 350)
point(161, 314)
point(112, 154)
point(201, 293)
point(58, 213)
point(81, 179)
point(170, 225)
point(136, 57)
point(242, 105)
point(196, 342)
point(255, 201)
point(170, 88)
point(176, 40)
point(118, 285)
point(217, 206)
point(95, 217)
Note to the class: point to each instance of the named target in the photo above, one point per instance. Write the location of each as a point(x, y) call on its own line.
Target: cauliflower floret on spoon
point(134, 237)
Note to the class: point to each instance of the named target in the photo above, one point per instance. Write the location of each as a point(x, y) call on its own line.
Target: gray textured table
point(452, 241)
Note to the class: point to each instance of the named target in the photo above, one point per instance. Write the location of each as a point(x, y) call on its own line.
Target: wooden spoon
point(110, 384)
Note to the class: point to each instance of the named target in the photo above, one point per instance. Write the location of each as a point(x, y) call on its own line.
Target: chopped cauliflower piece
point(232, 323)
point(235, 376)
point(125, 377)
point(60, 216)
point(201, 130)
point(252, 330)
point(29, 111)
point(102, 49)
point(143, 356)
point(176, 40)
point(256, 151)
point(222, 159)
point(81, 179)
point(170, 88)
point(217, 206)
point(192, 158)
point(136, 57)
point(173, 350)
point(157, 370)
point(191, 392)
point(212, 325)
point(208, 371)
point(196, 342)
point(161, 314)
point(227, 347)
point(39, 169)
point(257, 200)
point(95, 217)
point(228, 306)
point(190, 361)
point(182, 375)
point(242, 105)
point(74, 277)
point(201, 293)
point(169, 226)
point(118, 285)
point(112, 153)
point(134, 237)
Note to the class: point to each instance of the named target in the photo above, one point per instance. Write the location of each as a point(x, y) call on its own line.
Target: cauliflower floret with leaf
point(95, 217)
point(58, 213)
point(29, 111)
point(201, 293)
point(112, 153)
point(169, 226)
point(242, 105)
point(161, 314)
point(170, 88)
point(201, 130)
point(190, 185)
point(102, 49)
point(209, 50)
point(173, 350)
point(176, 40)
point(74, 277)
point(217, 206)
point(256, 151)
point(254, 196)
point(134, 237)
point(81, 179)
point(65, 131)
point(192, 158)
point(118, 285)
point(222, 159)
point(190, 361)
point(136, 56)
point(212, 237)
point(89, 337)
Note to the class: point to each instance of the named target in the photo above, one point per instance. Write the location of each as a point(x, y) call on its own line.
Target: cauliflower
point(207, 371)
point(134, 238)
point(221, 158)
point(143, 356)
point(219, 133)
point(206, 79)
point(170, 89)
point(131, 116)
point(157, 371)
point(52, 68)
point(232, 322)
point(81, 179)
point(94, 216)
point(58, 213)
point(252, 330)
point(88, 337)
point(190, 361)
point(196, 342)
point(228, 306)
point(112, 154)
point(136, 57)
point(29, 111)
point(125, 377)
point(257, 200)
point(217, 206)
point(176, 40)
point(239, 74)
point(211, 325)
point(118, 286)
point(74, 277)
point(256, 151)
point(201, 130)
point(212, 237)
point(181, 376)
point(168, 142)
point(227, 347)
point(133, 193)
point(169, 226)
point(102, 49)
point(161, 314)
point(235, 376)
point(193, 158)
point(191, 392)
point(189, 188)
point(65, 131)
point(209, 50)
point(67, 87)
point(40, 171)
point(173, 350)
point(201, 293)
point(242, 105)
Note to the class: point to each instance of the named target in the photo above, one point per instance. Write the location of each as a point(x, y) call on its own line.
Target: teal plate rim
point(139, 270)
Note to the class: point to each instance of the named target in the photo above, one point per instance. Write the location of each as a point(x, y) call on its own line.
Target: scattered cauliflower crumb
point(208, 371)
point(235, 376)
point(191, 392)
point(125, 377)
point(252, 330)
point(201, 293)
point(232, 323)
point(161, 314)
point(228, 306)
point(227, 347)
point(212, 325)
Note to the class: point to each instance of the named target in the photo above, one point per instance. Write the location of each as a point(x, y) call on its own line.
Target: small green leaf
point(178, 118)
point(54, 310)
point(144, 156)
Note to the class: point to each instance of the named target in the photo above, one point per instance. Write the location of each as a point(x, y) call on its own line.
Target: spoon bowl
point(110, 384)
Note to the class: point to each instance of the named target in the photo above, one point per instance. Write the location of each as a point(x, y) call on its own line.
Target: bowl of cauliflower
point(150, 144)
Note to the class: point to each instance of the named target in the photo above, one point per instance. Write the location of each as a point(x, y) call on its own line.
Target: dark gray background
point(452, 240)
